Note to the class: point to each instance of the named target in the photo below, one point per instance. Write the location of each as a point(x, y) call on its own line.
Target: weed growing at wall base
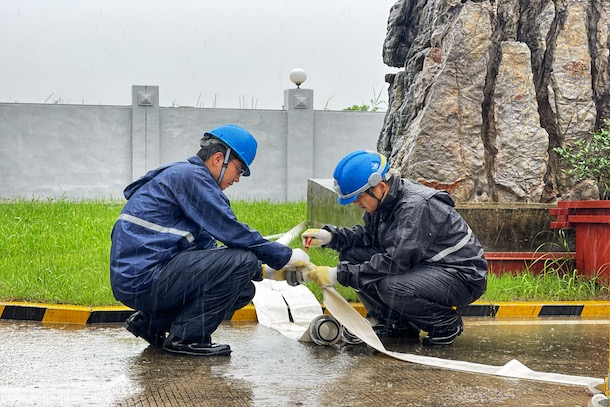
point(551, 284)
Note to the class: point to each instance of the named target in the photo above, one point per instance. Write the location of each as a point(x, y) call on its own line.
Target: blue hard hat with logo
point(239, 140)
point(357, 172)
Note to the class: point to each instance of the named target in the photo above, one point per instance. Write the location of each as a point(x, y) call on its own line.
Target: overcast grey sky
point(223, 53)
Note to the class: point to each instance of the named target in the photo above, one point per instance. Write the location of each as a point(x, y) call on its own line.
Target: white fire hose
point(276, 301)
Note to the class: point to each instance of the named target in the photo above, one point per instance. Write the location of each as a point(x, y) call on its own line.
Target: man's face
point(366, 202)
point(234, 170)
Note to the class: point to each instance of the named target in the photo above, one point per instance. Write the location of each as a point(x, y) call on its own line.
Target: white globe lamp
point(298, 76)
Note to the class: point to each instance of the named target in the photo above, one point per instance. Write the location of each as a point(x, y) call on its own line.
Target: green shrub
point(590, 159)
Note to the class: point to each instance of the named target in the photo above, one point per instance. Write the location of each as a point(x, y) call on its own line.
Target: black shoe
point(443, 338)
point(384, 330)
point(174, 344)
point(141, 328)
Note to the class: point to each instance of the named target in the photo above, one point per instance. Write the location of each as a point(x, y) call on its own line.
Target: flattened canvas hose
point(350, 318)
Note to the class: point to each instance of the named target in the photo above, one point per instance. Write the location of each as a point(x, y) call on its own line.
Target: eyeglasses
point(240, 170)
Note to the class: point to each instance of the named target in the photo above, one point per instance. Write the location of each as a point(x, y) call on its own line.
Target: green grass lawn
point(58, 252)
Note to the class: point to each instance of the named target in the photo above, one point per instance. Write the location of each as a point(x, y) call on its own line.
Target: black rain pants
point(425, 296)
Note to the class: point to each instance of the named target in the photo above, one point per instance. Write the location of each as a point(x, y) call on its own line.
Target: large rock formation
point(489, 88)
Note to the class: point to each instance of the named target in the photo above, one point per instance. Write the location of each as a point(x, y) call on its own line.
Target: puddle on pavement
point(64, 365)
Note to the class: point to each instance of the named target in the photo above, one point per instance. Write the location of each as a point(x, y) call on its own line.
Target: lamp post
point(298, 103)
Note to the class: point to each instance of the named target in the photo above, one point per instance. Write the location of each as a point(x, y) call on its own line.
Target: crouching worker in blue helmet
point(165, 262)
point(412, 262)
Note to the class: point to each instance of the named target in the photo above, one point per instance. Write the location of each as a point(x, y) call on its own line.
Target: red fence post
point(591, 220)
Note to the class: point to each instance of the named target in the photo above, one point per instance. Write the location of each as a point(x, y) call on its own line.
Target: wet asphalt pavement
point(104, 365)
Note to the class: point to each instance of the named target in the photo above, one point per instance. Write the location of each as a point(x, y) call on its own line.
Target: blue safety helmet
point(357, 172)
point(239, 140)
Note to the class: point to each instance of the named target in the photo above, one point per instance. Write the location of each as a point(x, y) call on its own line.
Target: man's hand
point(323, 276)
point(294, 272)
point(298, 259)
point(293, 276)
point(273, 274)
point(319, 237)
point(300, 275)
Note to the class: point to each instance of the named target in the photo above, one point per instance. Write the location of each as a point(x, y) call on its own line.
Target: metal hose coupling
point(295, 277)
point(348, 337)
point(292, 278)
point(326, 330)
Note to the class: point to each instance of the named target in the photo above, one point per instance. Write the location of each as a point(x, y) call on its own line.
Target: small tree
point(591, 159)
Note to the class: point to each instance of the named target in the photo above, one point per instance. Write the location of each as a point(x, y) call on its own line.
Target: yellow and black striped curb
point(537, 309)
point(74, 314)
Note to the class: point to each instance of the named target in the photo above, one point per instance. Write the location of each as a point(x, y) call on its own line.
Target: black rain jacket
point(415, 224)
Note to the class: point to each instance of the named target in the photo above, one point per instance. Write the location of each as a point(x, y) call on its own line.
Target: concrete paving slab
point(44, 364)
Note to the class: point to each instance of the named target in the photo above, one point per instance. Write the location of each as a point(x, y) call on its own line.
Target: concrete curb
point(74, 314)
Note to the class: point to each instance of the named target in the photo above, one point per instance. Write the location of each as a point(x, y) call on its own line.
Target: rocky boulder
point(488, 90)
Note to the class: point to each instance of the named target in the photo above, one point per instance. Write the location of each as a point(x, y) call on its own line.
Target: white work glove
point(297, 267)
point(294, 272)
point(300, 275)
point(293, 276)
point(298, 259)
point(319, 237)
point(273, 274)
point(323, 276)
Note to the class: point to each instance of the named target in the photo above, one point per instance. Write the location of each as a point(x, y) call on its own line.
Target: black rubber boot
point(174, 344)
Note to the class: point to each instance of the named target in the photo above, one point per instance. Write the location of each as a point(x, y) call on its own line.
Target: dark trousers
point(196, 290)
point(424, 296)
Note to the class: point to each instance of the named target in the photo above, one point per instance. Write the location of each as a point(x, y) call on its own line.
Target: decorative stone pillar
point(299, 141)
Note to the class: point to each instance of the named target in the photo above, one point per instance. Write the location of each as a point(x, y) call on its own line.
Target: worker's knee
point(390, 290)
point(247, 261)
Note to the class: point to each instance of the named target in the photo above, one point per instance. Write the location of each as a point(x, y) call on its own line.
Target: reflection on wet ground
point(53, 365)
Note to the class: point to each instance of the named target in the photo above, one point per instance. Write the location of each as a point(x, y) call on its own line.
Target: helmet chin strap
point(368, 191)
point(225, 163)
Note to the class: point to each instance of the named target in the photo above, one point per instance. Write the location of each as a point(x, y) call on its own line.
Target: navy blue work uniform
point(165, 260)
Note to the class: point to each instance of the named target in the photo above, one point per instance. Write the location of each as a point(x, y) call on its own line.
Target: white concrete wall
point(91, 152)
point(64, 150)
point(338, 133)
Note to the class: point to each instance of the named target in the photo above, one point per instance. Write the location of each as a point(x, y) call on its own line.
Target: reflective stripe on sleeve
point(443, 253)
point(157, 228)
